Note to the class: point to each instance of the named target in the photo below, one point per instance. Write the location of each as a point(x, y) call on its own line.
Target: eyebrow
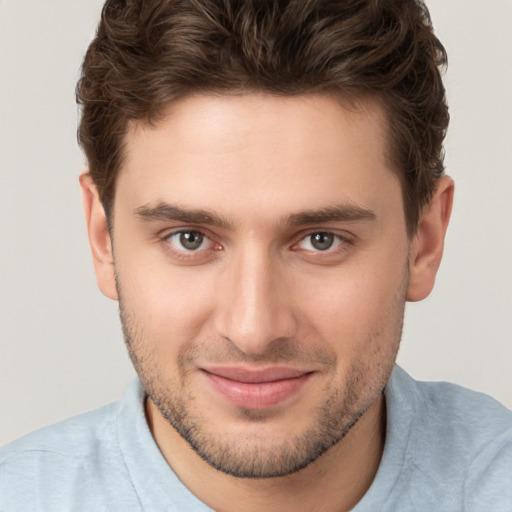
point(168, 212)
point(339, 213)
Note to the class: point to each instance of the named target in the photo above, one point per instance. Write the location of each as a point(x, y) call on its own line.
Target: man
point(265, 191)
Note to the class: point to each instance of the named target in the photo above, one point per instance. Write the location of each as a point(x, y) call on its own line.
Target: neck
point(338, 479)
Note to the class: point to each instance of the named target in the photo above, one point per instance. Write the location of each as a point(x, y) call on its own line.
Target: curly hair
point(149, 53)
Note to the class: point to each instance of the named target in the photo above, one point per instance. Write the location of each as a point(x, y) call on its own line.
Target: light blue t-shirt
point(447, 449)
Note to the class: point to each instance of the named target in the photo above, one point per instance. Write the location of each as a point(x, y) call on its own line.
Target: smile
point(258, 389)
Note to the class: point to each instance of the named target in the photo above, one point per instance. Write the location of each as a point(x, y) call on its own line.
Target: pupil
point(191, 240)
point(322, 241)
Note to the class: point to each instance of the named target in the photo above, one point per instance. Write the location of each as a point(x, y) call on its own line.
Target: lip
point(256, 388)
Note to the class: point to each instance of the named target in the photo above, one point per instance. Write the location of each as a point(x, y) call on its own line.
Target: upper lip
point(255, 375)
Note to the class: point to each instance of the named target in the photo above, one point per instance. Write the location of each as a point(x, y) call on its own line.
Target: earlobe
point(427, 244)
point(99, 237)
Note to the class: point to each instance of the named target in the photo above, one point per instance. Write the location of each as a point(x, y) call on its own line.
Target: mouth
point(256, 388)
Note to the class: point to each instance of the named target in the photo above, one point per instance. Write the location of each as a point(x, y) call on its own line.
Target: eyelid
point(165, 234)
point(177, 237)
point(343, 235)
point(345, 239)
point(184, 254)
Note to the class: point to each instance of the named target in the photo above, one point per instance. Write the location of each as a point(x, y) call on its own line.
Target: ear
point(427, 244)
point(99, 237)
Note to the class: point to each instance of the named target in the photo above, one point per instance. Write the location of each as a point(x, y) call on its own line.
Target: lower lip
point(256, 395)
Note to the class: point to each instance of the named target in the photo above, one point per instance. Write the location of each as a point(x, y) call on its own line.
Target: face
point(261, 257)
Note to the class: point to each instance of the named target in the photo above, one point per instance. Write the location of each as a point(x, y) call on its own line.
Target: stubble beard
point(243, 456)
point(246, 456)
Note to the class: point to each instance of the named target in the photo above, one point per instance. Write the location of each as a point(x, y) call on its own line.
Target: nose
point(255, 305)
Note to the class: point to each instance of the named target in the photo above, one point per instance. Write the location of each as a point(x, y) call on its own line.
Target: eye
point(320, 241)
point(189, 241)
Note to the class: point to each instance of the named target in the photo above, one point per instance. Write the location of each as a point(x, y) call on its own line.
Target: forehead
point(259, 152)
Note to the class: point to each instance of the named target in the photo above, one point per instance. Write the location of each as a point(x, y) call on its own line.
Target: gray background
point(61, 350)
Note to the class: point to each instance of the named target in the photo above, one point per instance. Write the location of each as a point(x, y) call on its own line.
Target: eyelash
point(342, 244)
point(336, 239)
point(184, 253)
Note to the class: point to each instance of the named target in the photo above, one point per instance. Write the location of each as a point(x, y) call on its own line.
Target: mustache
point(219, 350)
point(277, 352)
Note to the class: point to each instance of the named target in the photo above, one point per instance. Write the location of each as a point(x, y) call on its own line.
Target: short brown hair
point(149, 53)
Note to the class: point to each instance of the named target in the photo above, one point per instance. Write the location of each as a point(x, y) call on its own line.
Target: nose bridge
point(255, 310)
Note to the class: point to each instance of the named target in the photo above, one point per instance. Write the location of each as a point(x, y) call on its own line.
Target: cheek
point(358, 307)
point(169, 307)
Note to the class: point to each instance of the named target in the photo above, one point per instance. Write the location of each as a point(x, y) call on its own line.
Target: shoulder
point(443, 407)
point(72, 438)
point(460, 442)
point(62, 464)
point(488, 483)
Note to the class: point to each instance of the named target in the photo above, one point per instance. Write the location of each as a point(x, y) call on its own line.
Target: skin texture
point(223, 216)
